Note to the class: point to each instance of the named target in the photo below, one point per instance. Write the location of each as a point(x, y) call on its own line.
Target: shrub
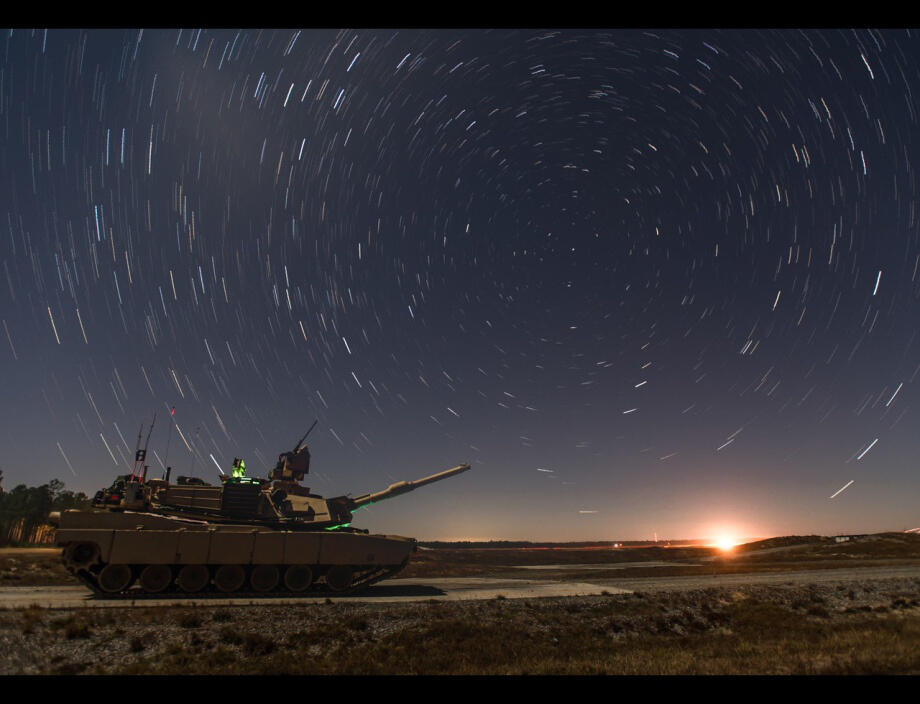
point(73, 626)
point(257, 644)
point(189, 620)
point(356, 623)
point(222, 616)
point(230, 636)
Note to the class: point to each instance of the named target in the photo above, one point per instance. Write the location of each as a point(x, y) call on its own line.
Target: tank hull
point(127, 554)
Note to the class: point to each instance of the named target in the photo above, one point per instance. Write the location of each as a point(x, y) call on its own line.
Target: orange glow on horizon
point(725, 543)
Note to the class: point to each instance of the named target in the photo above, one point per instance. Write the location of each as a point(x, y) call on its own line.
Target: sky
point(647, 283)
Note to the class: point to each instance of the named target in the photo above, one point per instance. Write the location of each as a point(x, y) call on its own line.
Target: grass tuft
point(190, 620)
point(73, 627)
point(255, 644)
point(221, 616)
point(356, 623)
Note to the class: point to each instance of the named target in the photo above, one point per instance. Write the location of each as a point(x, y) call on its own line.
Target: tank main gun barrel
point(403, 487)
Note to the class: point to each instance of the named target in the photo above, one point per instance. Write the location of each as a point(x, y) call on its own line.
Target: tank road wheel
point(155, 578)
point(298, 578)
point(193, 578)
point(229, 578)
point(264, 578)
point(115, 578)
point(339, 577)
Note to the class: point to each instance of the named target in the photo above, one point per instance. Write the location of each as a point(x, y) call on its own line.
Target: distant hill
point(811, 547)
point(783, 542)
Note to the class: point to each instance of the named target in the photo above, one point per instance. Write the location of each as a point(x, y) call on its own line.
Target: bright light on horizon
point(725, 542)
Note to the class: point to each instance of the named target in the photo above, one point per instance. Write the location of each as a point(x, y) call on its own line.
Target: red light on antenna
point(173, 411)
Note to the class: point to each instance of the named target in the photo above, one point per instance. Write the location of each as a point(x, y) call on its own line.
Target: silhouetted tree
point(55, 488)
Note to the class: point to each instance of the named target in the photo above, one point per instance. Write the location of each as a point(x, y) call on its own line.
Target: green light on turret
point(341, 525)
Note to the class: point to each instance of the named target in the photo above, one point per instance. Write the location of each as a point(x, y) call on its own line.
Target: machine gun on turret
point(293, 466)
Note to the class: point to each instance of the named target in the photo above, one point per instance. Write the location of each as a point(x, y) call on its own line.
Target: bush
point(356, 623)
point(73, 627)
point(189, 620)
point(230, 636)
point(30, 618)
point(257, 644)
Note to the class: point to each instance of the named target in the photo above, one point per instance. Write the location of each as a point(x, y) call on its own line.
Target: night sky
point(645, 282)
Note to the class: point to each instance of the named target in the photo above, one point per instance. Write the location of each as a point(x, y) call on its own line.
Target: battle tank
point(247, 537)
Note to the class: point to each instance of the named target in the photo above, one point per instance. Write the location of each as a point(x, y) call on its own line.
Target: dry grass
point(27, 568)
point(72, 626)
point(747, 637)
point(864, 628)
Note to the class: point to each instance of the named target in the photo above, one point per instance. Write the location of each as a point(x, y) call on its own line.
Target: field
point(854, 626)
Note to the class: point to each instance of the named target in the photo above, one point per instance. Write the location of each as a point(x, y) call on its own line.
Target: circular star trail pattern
point(646, 282)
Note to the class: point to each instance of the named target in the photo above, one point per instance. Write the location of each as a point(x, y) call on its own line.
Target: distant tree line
point(24, 511)
point(518, 544)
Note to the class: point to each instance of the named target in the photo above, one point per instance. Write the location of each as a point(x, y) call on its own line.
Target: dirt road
point(473, 588)
point(791, 578)
point(389, 591)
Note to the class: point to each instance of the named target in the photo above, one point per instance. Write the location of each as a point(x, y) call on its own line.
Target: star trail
point(645, 282)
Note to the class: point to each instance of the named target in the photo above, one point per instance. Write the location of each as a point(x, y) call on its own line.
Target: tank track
point(362, 580)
